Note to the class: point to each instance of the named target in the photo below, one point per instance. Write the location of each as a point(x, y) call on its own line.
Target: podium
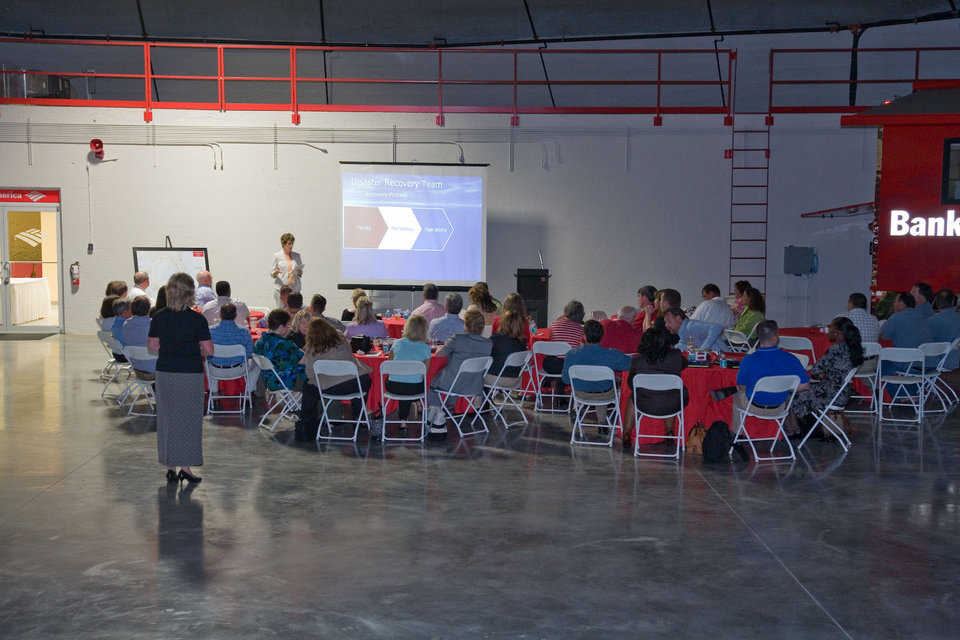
point(532, 285)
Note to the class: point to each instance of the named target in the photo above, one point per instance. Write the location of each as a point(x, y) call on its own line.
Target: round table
point(395, 326)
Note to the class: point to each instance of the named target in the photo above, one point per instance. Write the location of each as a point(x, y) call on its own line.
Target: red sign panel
point(198, 254)
point(30, 196)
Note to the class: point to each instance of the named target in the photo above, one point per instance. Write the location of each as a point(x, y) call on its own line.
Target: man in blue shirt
point(907, 327)
point(767, 360)
point(593, 354)
point(702, 335)
point(945, 325)
point(445, 326)
point(228, 332)
point(121, 309)
point(923, 294)
point(135, 330)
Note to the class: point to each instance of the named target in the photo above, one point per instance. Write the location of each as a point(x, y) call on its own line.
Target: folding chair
point(519, 359)
point(828, 423)
point(112, 345)
point(339, 368)
point(142, 386)
point(470, 367)
point(737, 342)
point(910, 372)
point(547, 348)
point(284, 398)
point(869, 378)
point(580, 373)
point(798, 343)
point(768, 384)
point(403, 368)
point(658, 382)
point(942, 385)
point(216, 374)
point(802, 357)
point(936, 352)
point(107, 370)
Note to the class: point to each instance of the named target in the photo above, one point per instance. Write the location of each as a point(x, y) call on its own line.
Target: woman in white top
point(287, 266)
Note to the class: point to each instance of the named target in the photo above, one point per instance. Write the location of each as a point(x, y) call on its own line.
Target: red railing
point(296, 105)
point(912, 78)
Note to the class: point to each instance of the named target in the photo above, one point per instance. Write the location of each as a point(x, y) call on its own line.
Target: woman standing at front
point(182, 339)
point(287, 267)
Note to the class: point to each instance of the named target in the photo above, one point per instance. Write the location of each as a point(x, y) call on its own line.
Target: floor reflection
point(180, 532)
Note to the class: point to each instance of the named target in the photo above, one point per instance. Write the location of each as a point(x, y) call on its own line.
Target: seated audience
point(511, 336)
point(228, 332)
point(135, 330)
point(430, 309)
point(412, 346)
point(692, 333)
point(441, 329)
point(160, 302)
point(299, 327)
point(567, 328)
point(740, 290)
point(714, 308)
point(514, 302)
point(459, 348)
point(349, 314)
point(865, 322)
point(318, 304)
point(669, 299)
point(211, 310)
point(923, 294)
point(116, 288)
point(592, 353)
point(657, 354)
point(767, 360)
point(141, 282)
point(294, 303)
point(827, 375)
point(326, 343)
point(482, 301)
point(620, 334)
point(121, 311)
point(945, 325)
point(107, 316)
point(647, 310)
point(284, 295)
point(204, 292)
point(752, 314)
point(284, 355)
point(366, 323)
point(907, 327)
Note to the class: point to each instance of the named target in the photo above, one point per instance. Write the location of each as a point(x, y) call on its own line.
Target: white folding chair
point(802, 357)
point(909, 370)
point(216, 374)
point(870, 350)
point(470, 367)
point(142, 387)
point(283, 398)
point(403, 368)
point(547, 348)
point(737, 341)
point(112, 346)
point(658, 382)
point(518, 359)
point(768, 384)
point(580, 373)
point(107, 370)
point(828, 423)
point(942, 385)
point(935, 352)
point(799, 343)
point(339, 368)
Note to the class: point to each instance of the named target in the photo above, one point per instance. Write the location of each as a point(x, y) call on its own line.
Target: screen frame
point(380, 285)
point(206, 254)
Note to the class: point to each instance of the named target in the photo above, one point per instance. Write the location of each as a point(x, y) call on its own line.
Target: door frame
point(5, 326)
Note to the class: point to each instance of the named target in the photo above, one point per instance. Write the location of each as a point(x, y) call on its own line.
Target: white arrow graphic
point(402, 228)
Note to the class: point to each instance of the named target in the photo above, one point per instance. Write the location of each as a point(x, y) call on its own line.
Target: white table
point(29, 300)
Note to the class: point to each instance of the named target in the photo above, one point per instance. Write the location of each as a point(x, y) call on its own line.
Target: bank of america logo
point(35, 196)
point(32, 237)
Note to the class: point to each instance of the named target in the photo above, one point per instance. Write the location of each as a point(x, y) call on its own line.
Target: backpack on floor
point(717, 442)
point(694, 441)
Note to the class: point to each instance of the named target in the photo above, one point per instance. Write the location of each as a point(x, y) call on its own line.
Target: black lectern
point(532, 286)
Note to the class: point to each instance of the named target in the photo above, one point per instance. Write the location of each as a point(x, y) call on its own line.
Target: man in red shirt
point(620, 334)
point(645, 307)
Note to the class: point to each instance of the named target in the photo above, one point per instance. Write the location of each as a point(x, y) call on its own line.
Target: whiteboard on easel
point(162, 262)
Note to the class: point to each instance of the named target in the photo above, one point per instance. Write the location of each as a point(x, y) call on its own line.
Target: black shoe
point(189, 477)
point(171, 475)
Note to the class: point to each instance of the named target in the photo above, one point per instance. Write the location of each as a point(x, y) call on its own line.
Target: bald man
point(204, 292)
point(141, 282)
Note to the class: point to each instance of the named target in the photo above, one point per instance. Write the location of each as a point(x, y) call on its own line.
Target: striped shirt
point(866, 323)
point(566, 330)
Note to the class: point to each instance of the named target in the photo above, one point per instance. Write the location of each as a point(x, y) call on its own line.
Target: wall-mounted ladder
point(749, 155)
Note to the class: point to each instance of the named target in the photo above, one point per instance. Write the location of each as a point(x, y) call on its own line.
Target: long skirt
point(179, 419)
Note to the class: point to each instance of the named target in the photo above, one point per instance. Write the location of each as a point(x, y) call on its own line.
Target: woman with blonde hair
point(349, 314)
point(300, 325)
point(324, 342)
point(366, 323)
point(412, 346)
point(181, 337)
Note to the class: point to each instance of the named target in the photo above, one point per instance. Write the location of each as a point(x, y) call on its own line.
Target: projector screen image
point(410, 224)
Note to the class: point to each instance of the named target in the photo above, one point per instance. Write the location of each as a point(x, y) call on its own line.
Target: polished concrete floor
point(516, 535)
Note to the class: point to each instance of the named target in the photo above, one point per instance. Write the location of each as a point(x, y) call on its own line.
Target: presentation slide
point(413, 223)
point(161, 263)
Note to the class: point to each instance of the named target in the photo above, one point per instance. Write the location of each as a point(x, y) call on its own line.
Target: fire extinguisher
point(75, 274)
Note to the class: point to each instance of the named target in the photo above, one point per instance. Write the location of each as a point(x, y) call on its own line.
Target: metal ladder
point(749, 156)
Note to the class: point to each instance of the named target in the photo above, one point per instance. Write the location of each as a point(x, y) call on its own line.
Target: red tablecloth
point(395, 326)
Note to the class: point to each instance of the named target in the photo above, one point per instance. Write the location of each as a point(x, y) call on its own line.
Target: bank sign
point(904, 224)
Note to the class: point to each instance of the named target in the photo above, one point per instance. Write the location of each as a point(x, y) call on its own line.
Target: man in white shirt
point(141, 282)
point(211, 310)
point(204, 292)
point(861, 318)
point(714, 308)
